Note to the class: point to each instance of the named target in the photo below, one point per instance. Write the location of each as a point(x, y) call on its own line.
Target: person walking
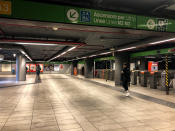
point(125, 77)
point(38, 69)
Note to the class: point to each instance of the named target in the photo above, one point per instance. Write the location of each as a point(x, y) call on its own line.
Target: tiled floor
point(143, 90)
point(62, 103)
point(10, 80)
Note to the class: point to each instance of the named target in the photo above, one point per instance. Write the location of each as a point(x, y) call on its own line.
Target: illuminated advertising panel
point(42, 67)
point(32, 67)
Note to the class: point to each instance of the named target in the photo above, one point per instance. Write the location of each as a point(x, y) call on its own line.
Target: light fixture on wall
point(14, 55)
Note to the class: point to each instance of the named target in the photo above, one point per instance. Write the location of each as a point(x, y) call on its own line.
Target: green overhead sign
point(81, 62)
point(105, 58)
point(99, 18)
point(153, 52)
point(30, 10)
point(155, 24)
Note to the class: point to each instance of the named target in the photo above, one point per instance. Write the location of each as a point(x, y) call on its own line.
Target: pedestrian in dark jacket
point(38, 69)
point(125, 77)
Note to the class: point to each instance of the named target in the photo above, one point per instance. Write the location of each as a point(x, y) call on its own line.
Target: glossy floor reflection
point(63, 103)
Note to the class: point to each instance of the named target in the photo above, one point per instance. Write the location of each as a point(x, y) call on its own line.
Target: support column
point(142, 65)
point(89, 68)
point(73, 66)
point(120, 59)
point(20, 68)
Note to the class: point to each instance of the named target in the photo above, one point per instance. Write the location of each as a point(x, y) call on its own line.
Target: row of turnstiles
point(155, 80)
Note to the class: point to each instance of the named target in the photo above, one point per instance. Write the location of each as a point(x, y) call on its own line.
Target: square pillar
point(89, 68)
point(120, 59)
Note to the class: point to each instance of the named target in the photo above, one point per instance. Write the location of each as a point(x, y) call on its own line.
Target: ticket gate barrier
point(133, 77)
point(153, 79)
point(144, 78)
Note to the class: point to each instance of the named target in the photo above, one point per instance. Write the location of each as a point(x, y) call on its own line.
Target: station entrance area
point(61, 68)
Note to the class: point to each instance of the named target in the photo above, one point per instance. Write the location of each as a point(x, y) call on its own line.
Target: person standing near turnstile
point(125, 77)
point(38, 69)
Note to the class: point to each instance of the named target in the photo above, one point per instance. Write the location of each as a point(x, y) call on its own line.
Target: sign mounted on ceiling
point(155, 24)
point(36, 11)
point(100, 18)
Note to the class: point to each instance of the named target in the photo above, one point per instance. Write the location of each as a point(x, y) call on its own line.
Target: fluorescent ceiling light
point(91, 56)
point(162, 41)
point(83, 57)
point(36, 44)
point(100, 54)
point(24, 53)
point(70, 49)
point(126, 49)
point(105, 53)
point(62, 53)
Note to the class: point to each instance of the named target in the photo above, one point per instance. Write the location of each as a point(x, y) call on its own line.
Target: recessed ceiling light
point(55, 28)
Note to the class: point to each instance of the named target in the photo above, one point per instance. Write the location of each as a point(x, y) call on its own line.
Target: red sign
point(152, 66)
point(32, 67)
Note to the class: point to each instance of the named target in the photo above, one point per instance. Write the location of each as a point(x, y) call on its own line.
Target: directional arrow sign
point(72, 15)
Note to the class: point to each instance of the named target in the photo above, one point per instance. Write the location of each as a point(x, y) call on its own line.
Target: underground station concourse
point(63, 65)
